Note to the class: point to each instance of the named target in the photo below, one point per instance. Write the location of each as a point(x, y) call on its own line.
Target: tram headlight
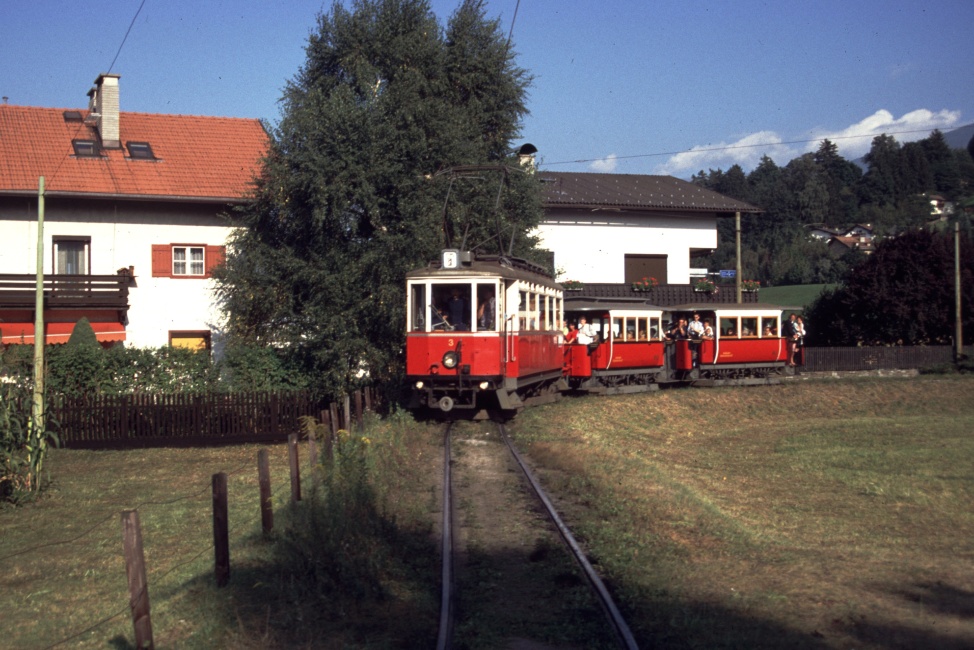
point(484, 385)
point(451, 359)
point(419, 385)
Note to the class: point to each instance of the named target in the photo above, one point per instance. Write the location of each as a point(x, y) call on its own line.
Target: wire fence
point(876, 358)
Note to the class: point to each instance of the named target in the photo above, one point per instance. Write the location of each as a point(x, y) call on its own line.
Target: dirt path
point(517, 586)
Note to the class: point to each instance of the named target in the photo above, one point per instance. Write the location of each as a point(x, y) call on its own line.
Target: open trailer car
point(483, 334)
point(747, 347)
point(629, 355)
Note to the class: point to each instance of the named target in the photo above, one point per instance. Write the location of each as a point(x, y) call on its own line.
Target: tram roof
point(609, 304)
point(730, 307)
point(509, 268)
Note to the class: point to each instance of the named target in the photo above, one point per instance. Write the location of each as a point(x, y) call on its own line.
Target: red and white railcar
point(630, 353)
point(483, 334)
point(747, 347)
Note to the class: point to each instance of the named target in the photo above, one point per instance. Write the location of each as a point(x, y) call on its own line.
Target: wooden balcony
point(66, 291)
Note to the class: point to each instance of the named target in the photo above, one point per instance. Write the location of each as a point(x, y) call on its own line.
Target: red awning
point(59, 332)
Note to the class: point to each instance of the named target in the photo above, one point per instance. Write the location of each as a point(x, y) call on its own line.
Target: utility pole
point(37, 414)
point(737, 238)
point(958, 321)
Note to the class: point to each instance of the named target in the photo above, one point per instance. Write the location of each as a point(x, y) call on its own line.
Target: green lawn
point(796, 295)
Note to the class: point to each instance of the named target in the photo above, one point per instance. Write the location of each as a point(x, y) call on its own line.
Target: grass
point(77, 590)
point(797, 295)
point(808, 515)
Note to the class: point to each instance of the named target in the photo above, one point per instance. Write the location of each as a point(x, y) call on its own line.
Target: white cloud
point(605, 165)
point(855, 140)
point(852, 141)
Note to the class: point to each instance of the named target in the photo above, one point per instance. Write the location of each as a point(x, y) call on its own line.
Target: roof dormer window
point(86, 148)
point(72, 116)
point(140, 150)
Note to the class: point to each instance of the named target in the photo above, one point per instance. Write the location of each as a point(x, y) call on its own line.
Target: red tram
point(484, 333)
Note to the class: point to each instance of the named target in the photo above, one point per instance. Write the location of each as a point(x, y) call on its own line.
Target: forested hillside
point(825, 189)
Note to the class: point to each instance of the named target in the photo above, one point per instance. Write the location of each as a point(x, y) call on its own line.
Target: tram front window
point(450, 307)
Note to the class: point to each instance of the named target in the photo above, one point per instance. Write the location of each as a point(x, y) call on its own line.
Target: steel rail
point(616, 621)
point(445, 635)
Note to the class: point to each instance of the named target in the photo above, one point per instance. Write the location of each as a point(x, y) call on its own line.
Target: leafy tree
point(882, 184)
point(352, 196)
point(903, 294)
point(78, 367)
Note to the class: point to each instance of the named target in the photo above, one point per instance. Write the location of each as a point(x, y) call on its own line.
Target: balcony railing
point(65, 291)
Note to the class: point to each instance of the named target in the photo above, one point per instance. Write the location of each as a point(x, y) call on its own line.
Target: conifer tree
point(353, 190)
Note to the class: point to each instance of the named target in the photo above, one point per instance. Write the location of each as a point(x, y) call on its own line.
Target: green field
point(815, 514)
point(797, 295)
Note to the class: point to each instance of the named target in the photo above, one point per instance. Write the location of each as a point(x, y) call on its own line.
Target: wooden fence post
point(358, 410)
point(336, 422)
point(138, 585)
point(221, 532)
point(292, 456)
point(264, 479)
point(368, 398)
point(347, 412)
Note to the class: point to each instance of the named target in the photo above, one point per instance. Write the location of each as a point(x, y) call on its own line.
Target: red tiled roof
point(207, 158)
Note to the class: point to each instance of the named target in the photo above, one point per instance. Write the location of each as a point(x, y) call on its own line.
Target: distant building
point(619, 228)
point(134, 219)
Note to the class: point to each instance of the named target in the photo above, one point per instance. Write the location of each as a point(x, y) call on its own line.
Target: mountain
point(958, 138)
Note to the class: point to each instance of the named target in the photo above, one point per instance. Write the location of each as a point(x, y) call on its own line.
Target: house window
point(192, 340)
point(140, 150)
point(86, 148)
point(72, 255)
point(188, 260)
point(185, 260)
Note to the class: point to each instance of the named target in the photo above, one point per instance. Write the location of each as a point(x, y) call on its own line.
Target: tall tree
point(901, 294)
point(350, 198)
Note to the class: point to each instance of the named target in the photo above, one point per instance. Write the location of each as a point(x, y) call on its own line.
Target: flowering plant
point(572, 284)
point(750, 285)
point(645, 284)
point(706, 286)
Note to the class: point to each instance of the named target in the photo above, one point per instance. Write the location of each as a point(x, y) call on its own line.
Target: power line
point(742, 146)
point(126, 35)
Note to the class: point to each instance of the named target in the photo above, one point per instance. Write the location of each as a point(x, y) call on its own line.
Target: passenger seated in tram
point(586, 332)
point(708, 331)
point(440, 321)
point(767, 331)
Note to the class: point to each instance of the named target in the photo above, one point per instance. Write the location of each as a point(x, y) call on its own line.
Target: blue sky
point(620, 86)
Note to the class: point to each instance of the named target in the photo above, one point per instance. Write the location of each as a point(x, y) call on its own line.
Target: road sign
point(728, 274)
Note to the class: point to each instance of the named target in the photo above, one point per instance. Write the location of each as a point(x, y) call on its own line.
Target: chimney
point(103, 110)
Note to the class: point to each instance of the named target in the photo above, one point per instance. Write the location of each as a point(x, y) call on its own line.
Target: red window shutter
point(214, 257)
point(161, 261)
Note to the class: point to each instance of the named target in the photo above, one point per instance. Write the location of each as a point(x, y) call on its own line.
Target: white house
point(619, 228)
point(134, 222)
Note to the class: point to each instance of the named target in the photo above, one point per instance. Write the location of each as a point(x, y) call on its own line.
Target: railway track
point(498, 466)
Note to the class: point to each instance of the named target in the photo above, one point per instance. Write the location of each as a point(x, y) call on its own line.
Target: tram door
point(489, 315)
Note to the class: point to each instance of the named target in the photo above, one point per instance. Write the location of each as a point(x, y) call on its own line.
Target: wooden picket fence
point(190, 419)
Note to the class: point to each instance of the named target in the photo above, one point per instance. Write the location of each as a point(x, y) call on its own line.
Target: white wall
point(121, 237)
point(592, 247)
